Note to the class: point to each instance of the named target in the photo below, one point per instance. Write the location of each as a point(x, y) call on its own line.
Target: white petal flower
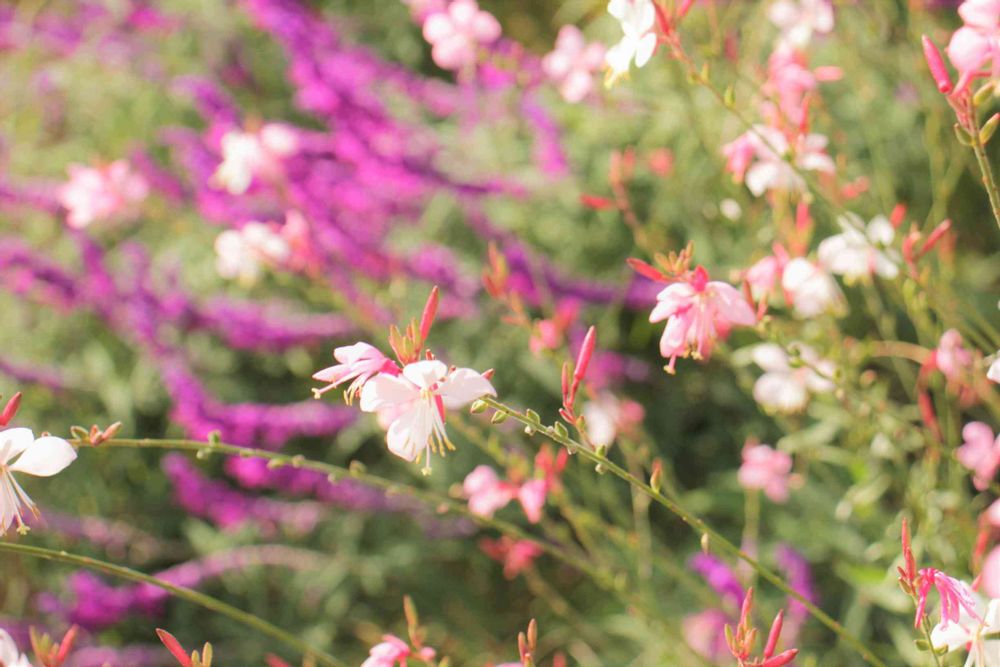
point(9, 655)
point(811, 289)
point(20, 452)
point(416, 401)
point(861, 251)
point(994, 372)
point(638, 40)
point(969, 632)
point(783, 388)
point(241, 253)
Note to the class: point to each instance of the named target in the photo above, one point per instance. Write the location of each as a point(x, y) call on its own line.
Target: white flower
point(994, 372)
point(798, 21)
point(968, 632)
point(638, 41)
point(859, 251)
point(21, 452)
point(417, 399)
point(249, 154)
point(772, 170)
point(783, 388)
point(240, 253)
point(9, 655)
point(811, 289)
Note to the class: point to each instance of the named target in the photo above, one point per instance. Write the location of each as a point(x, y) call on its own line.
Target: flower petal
point(45, 457)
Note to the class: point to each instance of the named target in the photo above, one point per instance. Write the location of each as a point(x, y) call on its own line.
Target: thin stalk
point(200, 599)
point(989, 180)
point(692, 520)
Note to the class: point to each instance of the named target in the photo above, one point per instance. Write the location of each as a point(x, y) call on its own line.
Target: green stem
point(604, 578)
point(989, 180)
point(208, 602)
point(561, 437)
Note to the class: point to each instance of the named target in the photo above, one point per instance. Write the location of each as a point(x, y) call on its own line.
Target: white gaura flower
point(249, 154)
point(969, 632)
point(9, 655)
point(20, 452)
point(241, 253)
point(784, 388)
point(417, 400)
point(811, 290)
point(772, 170)
point(861, 251)
point(638, 40)
point(799, 20)
point(993, 374)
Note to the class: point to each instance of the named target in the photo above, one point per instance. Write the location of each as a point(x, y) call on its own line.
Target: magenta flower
point(358, 363)
point(698, 312)
point(980, 453)
point(977, 43)
point(100, 193)
point(766, 469)
point(955, 595)
point(572, 64)
point(456, 32)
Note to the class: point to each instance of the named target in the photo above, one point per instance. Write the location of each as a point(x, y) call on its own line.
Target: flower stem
point(208, 602)
point(602, 577)
point(692, 520)
point(989, 180)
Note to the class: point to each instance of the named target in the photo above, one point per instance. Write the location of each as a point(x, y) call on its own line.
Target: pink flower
point(980, 453)
point(990, 577)
point(418, 398)
point(951, 356)
point(100, 193)
point(455, 33)
point(358, 362)
point(486, 492)
point(766, 273)
point(532, 496)
point(516, 555)
point(246, 155)
point(766, 469)
point(955, 595)
point(698, 312)
point(978, 41)
point(789, 79)
point(572, 64)
point(393, 651)
point(739, 154)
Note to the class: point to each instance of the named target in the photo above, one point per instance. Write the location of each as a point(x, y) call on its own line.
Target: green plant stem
point(206, 601)
point(692, 520)
point(438, 502)
point(989, 180)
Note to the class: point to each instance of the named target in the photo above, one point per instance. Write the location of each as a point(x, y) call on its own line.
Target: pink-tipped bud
point(647, 270)
point(430, 311)
point(175, 648)
point(746, 609)
point(684, 9)
point(934, 237)
point(10, 410)
point(774, 635)
point(782, 659)
point(583, 358)
point(274, 661)
point(936, 65)
point(910, 563)
point(898, 215)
